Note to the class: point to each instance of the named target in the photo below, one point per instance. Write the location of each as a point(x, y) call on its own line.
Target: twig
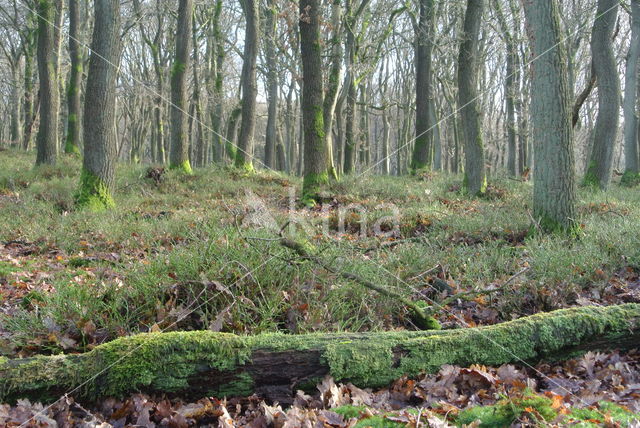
point(467, 294)
point(423, 321)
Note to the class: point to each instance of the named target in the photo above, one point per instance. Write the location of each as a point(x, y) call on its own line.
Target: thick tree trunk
point(72, 142)
point(179, 158)
point(100, 146)
point(554, 196)
point(475, 179)
point(197, 364)
point(423, 149)
point(315, 148)
point(47, 139)
point(631, 97)
point(605, 139)
point(244, 152)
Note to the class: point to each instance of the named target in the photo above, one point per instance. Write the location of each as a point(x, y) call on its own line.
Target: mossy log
point(197, 364)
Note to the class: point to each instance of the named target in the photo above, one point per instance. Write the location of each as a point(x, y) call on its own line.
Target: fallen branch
point(204, 363)
point(422, 320)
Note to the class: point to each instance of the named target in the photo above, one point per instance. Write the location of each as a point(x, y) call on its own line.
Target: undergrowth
point(184, 252)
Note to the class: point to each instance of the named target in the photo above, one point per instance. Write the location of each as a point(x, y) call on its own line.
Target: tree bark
point(197, 364)
point(333, 88)
point(271, 136)
point(72, 142)
point(554, 195)
point(605, 139)
point(631, 96)
point(423, 149)
point(47, 139)
point(244, 152)
point(510, 90)
point(100, 146)
point(315, 148)
point(179, 158)
point(475, 178)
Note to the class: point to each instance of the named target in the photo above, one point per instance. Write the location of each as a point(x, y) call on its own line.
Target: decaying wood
point(198, 364)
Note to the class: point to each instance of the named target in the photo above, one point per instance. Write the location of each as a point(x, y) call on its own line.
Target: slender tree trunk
point(631, 98)
point(30, 104)
point(600, 165)
point(350, 84)
point(333, 89)
point(510, 90)
point(315, 147)
point(72, 143)
point(475, 180)
point(16, 111)
point(179, 158)
point(423, 149)
point(244, 153)
point(386, 137)
point(199, 141)
point(272, 85)
point(100, 145)
point(47, 139)
point(554, 195)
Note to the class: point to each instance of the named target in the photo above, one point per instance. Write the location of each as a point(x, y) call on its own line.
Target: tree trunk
point(333, 89)
point(510, 90)
point(475, 179)
point(179, 158)
point(315, 147)
point(47, 139)
point(554, 195)
point(631, 98)
point(100, 146)
point(351, 89)
point(244, 152)
point(72, 142)
point(600, 165)
point(16, 111)
point(29, 110)
point(272, 85)
point(203, 363)
point(423, 146)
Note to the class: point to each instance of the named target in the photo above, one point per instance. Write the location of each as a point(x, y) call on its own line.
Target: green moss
point(243, 166)
point(506, 411)
point(318, 124)
point(605, 414)
point(178, 68)
point(184, 167)
point(590, 179)
point(311, 186)
point(359, 412)
point(93, 193)
point(241, 387)
point(169, 362)
point(547, 224)
point(630, 179)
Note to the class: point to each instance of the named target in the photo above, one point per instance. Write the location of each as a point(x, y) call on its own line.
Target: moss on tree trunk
point(196, 364)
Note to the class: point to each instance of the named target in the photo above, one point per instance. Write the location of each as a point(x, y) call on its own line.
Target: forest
point(307, 213)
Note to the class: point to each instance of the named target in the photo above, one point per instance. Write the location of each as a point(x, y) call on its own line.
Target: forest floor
point(202, 252)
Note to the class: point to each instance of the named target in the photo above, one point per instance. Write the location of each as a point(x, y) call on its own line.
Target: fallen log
point(198, 364)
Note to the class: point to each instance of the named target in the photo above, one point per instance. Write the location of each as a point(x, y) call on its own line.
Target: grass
point(186, 256)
